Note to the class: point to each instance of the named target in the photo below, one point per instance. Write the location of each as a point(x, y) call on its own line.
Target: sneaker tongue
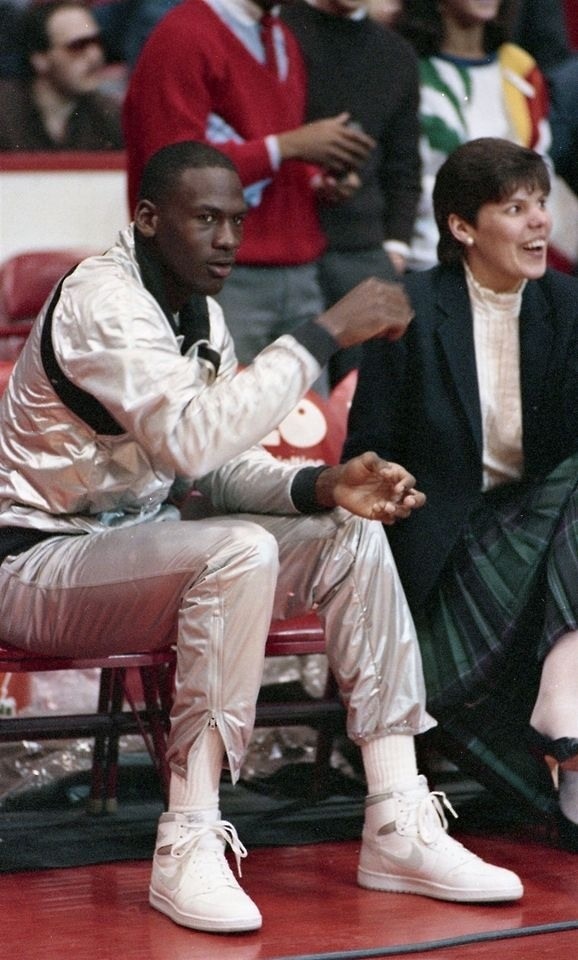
point(415, 789)
point(210, 841)
point(204, 816)
point(430, 822)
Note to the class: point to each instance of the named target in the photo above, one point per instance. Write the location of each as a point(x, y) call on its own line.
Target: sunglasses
point(82, 44)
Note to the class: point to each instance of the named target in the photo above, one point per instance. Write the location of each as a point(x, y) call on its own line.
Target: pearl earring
point(470, 241)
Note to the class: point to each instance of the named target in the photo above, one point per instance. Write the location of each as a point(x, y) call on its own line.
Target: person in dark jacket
point(480, 401)
point(359, 66)
point(563, 86)
point(539, 26)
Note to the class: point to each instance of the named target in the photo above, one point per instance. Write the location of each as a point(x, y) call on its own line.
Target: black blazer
point(417, 403)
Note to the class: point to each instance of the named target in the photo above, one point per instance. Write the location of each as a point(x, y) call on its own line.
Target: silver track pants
point(212, 587)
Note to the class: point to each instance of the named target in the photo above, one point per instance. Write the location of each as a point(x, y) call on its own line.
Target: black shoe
point(560, 750)
point(564, 748)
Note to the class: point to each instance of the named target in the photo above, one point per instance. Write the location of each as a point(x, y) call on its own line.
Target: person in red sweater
point(229, 73)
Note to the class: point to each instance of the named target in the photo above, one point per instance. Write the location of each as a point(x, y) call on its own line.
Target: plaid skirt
point(508, 592)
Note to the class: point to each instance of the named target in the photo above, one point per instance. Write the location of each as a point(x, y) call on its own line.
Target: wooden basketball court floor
point(311, 906)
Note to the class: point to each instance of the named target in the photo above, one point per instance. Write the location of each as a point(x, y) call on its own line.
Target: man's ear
point(461, 229)
point(146, 218)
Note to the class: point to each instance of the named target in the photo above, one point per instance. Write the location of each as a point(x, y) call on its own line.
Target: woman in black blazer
point(479, 401)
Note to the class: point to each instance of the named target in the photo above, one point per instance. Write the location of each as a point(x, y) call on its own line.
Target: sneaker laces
point(219, 834)
point(431, 816)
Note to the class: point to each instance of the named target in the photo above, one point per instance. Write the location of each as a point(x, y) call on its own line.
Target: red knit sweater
point(193, 65)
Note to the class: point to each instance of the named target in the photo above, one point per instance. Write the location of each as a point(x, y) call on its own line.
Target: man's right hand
point(329, 143)
point(374, 308)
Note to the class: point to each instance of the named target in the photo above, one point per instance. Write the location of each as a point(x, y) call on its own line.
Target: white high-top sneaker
point(191, 880)
point(406, 849)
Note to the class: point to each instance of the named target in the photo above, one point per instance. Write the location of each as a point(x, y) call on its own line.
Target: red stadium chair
point(109, 720)
point(26, 279)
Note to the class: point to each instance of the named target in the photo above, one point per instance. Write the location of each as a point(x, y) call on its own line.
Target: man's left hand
point(332, 189)
point(370, 487)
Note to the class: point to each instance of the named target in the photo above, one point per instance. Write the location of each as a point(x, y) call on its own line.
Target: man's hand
point(370, 487)
point(328, 143)
point(331, 190)
point(399, 262)
point(374, 308)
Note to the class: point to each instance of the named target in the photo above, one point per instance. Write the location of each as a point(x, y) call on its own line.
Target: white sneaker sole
point(427, 888)
point(206, 924)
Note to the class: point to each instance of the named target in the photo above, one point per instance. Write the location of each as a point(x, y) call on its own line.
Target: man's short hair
point(164, 168)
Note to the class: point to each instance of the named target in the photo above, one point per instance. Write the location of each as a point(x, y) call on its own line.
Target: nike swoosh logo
point(413, 860)
point(169, 878)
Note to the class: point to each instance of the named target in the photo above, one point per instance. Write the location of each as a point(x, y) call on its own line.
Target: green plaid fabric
point(509, 591)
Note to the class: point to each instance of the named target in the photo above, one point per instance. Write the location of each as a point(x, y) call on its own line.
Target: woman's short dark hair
point(166, 165)
point(481, 171)
point(420, 21)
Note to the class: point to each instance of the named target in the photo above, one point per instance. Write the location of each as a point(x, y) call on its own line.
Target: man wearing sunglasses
point(57, 105)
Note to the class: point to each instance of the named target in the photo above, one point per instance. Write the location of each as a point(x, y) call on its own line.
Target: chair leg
point(95, 800)
point(157, 689)
point(157, 701)
point(166, 685)
point(327, 731)
point(111, 777)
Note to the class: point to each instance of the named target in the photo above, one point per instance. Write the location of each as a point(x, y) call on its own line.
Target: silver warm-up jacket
point(217, 582)
point(112, 338)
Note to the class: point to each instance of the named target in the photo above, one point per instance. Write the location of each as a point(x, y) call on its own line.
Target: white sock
point(569, 794)
point(198, 792)
point(387, 761)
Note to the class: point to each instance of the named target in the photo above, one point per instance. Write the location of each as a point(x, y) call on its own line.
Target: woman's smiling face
point(509, 241)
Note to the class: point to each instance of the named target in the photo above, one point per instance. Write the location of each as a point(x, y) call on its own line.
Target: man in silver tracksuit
point(118, 398)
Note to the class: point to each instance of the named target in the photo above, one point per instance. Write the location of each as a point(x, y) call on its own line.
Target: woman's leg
point(555, 712)
point(555, 715)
